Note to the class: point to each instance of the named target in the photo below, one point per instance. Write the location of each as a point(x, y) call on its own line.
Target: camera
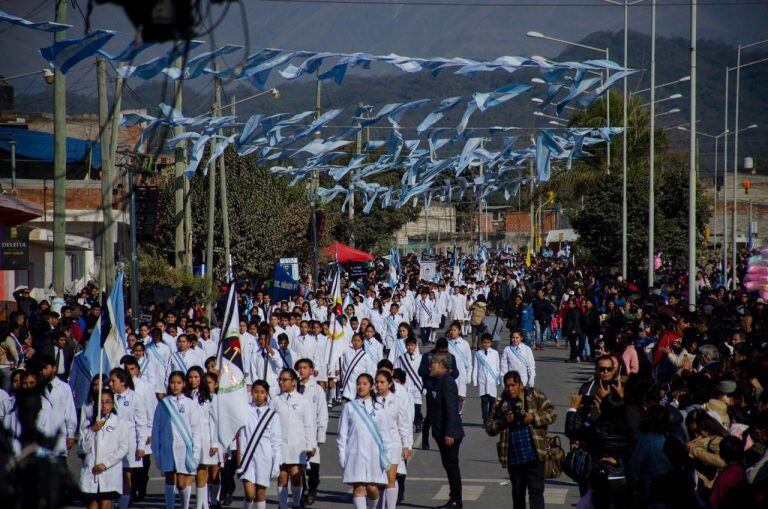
point(515, 408)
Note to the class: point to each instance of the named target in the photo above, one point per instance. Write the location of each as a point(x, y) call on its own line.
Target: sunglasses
point(604, 369)
point(285, 379)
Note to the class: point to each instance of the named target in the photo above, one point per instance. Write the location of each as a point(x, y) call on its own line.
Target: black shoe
point(425, 443)
point(311, 497)
point(417, 428)
point(227, 500)
point(451, 504)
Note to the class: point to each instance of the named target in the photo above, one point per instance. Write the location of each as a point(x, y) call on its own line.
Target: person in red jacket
point(730, 489)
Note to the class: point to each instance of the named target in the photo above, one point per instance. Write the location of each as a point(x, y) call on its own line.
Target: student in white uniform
point(401, 391)
point(404, 332)
point(486, 375)
point(198, 391)
point(364, 444)
point(140, 477)
point(425, 314)
point(148, 367)
point(214, 471)
point(265, 362)
point(131, 407)
point(409, 362)
point(322, 347)
point(158, 353)
point(86, 411)
point(58, 399)
point(355, 362)
point(460, 349)
point(260, 442)
point(184, 357)
point(305, 345)
point(400, 429)
point(105, 443)
point(391, 325)
point(176, 440)
point(315, 394)
point(434, 325)
point(373, 345)
point(377, 316)
point(299, 436)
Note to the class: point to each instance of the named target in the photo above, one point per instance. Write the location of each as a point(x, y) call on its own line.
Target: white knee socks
point(186, 493)
point(390, 498)
point(359, 502)
point(296, 495)
point(202, 498)
point(124, 500)
point(170, 498)
point(282, 492)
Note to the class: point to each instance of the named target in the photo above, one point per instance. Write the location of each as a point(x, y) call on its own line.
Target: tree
point(599, 222)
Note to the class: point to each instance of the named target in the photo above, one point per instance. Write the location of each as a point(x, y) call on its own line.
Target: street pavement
point(485, 483)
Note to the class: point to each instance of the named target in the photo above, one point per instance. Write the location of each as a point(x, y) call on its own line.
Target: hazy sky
point(427, 31)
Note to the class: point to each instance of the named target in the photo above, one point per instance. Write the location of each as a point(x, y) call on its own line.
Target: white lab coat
point(168, 446)
point(374, 349)
point(113, 442)
point(322, 352)
point(131, 407)
point(359, 455)
point(151, 372)
point(377, 320)
point(425, 312)
point(365, 364)
point(62, 420)
point(264, 464)
point(487, 382)
point(414, 387)
point(389, 329)
point(298, 431)
point(209, 431)
point(305, 347)
point(400, 428)
point(396, 350)
point(267, 371)
point(316, 396)
point(182, 361)
point(460, 349)
point(402, 392)
point(457, 307)
point(521, 360)
point(147, 392)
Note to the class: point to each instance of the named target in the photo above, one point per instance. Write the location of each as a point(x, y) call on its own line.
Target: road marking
point(555, 496)
point(468, 493)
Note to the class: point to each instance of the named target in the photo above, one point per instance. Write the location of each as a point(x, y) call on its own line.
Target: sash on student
point(256, 436)
point(352, 365)
point(373, 429)
point(177, 421)
point(518, 356)
point(456, 350)
point(481, 359)
point(154, 350)
point(178, 360)
point(411, 374)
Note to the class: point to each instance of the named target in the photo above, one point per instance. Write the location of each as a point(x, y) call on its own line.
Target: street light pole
point(59, 162)
point(652, 156)
point(725, 186)
point(692, 176)
point(624, 153)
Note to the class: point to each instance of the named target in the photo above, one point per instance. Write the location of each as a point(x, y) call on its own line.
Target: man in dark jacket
point(591, 325)
point(542, 312)
point(447, 429)
point(441, 345)
point(573, 330)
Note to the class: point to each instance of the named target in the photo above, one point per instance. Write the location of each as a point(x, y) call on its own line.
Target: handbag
point(578, 464)
point(553, 463)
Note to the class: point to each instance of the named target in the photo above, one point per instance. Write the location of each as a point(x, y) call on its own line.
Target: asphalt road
point(485, 484)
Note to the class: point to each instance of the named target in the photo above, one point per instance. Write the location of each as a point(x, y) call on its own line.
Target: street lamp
point(606, 52)
point(46, 74)
point(675, 82)
point(736, 146)
point(669, 112)
point(670, 98)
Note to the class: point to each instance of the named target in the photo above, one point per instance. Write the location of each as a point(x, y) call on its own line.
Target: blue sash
point(177, 359)
point(457, 351)
point(373, 429)
point(518, 356)
point(153, 349)
point(177, 421)
point(481, 360)
point(399, 347)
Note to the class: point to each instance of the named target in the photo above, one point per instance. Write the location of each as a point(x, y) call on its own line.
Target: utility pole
point(725, 185)
point(652, 157)
point(59, 162)
point(480, 215)
point(735, 213)
point(533, 209)
point(624, 153)
point(225, 203)
point(211, 203)
point(692, 176)
point(312, 200)
point(351, 186)
point(179, 160)
point(107, 274)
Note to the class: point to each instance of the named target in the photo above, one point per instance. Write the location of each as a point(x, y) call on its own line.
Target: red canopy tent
point(344, 253)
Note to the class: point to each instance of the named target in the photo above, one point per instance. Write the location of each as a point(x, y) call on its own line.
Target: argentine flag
point(394, 268)
point(64, 55)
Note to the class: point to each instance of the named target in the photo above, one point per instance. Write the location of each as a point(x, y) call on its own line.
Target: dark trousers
point(573, 342)
point(418, 418)
point(313, 476)
point(424, 332)
point(527, 477)
point(228, 476)
point(450, 458)
point(486, 402)
point(427, 424)
point(141, 478)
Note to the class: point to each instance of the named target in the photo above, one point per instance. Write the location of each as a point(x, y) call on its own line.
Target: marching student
point(373, 345)
point(265, 362)
point(355, 362)
point(183, 358)
point(86, 411)
point(397, 348)
point(409, 362)
point(261, 443)
point(425, 314)
point(159, 353)
point(517, 356)
point(176, 440)
point(437, 317)
point(460, 349)
point(315, 394)
point(287, 357)
point(321, 351)
point(304, 344)
point(486, 374)
point(198, 390)
point(364, 445)
point(214, 471)
point(400, 429)
point(131, 407)
point(298, 434)
point(148, 367)
point(57, 398)
point(105, 443)
point(399, 377)
point(390, 326)
point(140, 476)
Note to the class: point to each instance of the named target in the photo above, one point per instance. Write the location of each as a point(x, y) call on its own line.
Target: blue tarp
point(39, 145)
